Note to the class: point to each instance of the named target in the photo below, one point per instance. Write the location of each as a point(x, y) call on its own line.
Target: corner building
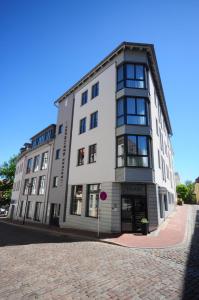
point(114, 136)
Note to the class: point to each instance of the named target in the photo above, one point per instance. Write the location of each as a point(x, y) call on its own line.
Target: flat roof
point(149, 48)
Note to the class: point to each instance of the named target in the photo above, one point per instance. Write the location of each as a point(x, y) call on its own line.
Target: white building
point(113, 135)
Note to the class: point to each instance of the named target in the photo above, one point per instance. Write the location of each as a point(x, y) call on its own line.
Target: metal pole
point(98, 221)
point(24, 217)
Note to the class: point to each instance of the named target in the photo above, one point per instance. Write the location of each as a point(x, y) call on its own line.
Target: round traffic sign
point(103, 196)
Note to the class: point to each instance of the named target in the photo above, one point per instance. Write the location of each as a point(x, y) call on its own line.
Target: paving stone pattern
point(65, 268)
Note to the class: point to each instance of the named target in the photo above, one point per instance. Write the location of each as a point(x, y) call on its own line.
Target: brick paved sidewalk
point(171, 233)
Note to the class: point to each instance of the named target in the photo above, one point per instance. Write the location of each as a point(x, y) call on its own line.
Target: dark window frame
point(29, 166)
point(55, 181)
point(96, 120)
point(87, 199)
point(91, 147)
point(125, 114)
point(57, 153)
point(84, 98)
point(95, 90)
point(79, 159)
point(122, 82)
point(126, 154)
point(82, 125)
point(74, 188)
point(60, 129)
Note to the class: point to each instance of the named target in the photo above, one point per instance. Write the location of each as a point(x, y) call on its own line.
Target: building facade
point(113, 135)
point(35, 160)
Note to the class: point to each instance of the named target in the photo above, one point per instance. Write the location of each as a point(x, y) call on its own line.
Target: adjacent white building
point(113, 135)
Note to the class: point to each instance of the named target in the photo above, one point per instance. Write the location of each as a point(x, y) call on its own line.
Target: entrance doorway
point(54, 214)
point(134, 208)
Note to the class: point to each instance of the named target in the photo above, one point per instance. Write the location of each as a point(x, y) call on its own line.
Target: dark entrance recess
point(134, 208)
point(54, 214)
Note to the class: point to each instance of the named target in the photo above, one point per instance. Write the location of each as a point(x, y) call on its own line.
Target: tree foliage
point(186, 192)
point(7, 173)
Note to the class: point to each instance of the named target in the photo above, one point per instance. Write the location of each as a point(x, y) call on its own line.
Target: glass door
point(127, 217)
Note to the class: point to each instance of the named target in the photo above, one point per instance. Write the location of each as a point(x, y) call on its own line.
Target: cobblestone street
point(39, 265)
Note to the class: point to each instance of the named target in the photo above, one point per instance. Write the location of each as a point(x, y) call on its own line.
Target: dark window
point(165, 202)
point(37, 211)
point(157, 127)
point(28, 210)
point(33, 186)
point(92, 153)
point(36, 163)
point(55, 181)
point(82, 125)
point(95, 90)
point(44, 161)
point(80, 159)
point(161, 206)
point(29, 165)
point(133, 151)
point(60, 130)
point(132, 111)
point(159, 163)
point(76, 200)
point(94, 120)
point(93, 200)
point(26, 187)
point(21, 209)
point(42, 183)
point(131, 76)
point(84, 98)
point(57, 155)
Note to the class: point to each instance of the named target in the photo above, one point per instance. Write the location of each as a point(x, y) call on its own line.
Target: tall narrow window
point(80, 156)
point(84, 98)
point(95, 90)
point(82, 126)
point(93, 200)
point(60, 130)
point(26, 187)
point(28, 210)
point(76, 200)
point(94, 120)
point(157, 127)
point(33, 186)
point(29, 165)
point(37, 211)
point(44, 161)
point(120, 151)
point(57, 155)
point(36, 163)
point(55, 181)
point(21, 209)
point(92, 153)
point(42, 183)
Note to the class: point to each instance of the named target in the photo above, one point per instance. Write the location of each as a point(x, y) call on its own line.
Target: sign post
point(102, 197)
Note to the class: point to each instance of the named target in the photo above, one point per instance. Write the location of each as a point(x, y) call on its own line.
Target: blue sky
point(46, 46)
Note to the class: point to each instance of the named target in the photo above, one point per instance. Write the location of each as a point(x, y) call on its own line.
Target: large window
point(76, 200)
point(132, 111)
point(26, 187)
point(80, 156)
point(36, 164)
point(84, 98)
point(94, 120)
point(29, 165)
point(33, 186)
point(42, 183)
point(92, 153)
point(82, 126)
point(93, 200)
point(44, 161)
point(95, 90)
point(131, 76)
point(133, 151)
point(37, 211)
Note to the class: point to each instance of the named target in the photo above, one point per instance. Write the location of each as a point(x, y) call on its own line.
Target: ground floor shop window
point(93, 200)
point(28, 210)
point(76, 200)
point(21, 209)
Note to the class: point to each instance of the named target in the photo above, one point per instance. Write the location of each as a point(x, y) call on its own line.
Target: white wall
point(103, 135)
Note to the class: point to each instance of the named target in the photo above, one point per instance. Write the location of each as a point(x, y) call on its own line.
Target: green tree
point(181, 190)
point(7, 173)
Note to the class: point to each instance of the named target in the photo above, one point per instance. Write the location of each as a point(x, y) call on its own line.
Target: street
point(36, 264)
